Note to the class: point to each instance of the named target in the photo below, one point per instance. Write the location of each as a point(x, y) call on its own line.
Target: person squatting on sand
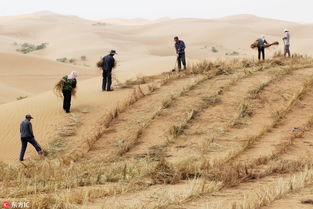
point(67, 87)
point(180, 52)
point(108, 63)
point(27, 136)
point(286, 40)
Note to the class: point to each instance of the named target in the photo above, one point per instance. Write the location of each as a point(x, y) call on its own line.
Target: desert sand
point(145, 47)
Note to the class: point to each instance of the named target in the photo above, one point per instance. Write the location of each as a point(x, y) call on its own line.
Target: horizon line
point(151, 19)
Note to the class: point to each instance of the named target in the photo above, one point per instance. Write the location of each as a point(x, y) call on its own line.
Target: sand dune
point(137, 39)
point(234, 135)
point(121, 21)
point(23, 75)
point(145, 47)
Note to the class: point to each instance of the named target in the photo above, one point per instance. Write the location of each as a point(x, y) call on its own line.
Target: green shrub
point(214, 50)
point(41, 46)
point(233, 53)
point(72, 60)
point(84, 58)
point(27, 47)
point(64, 59)
point(21, 97)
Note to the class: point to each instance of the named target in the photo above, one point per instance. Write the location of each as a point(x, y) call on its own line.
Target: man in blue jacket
point(108, 65)
point(27, 136)
point(180, 52)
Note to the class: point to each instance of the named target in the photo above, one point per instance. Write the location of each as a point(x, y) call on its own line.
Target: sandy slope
point(24, 75)
point(140, 41)
point(47, 110)
point(145, 47)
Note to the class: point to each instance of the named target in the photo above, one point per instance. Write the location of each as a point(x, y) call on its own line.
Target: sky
point(290, 10)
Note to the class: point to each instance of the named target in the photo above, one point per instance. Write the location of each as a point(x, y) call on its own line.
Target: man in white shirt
point(286, 40)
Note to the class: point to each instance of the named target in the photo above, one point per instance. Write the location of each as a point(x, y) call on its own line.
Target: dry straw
point(68, 183)
point(58, 89)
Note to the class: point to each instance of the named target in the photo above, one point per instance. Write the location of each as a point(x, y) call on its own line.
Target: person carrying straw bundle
point(107, 64)
point(261, 44)
point(67, 87)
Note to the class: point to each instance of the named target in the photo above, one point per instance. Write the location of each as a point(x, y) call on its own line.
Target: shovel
point(174, 69)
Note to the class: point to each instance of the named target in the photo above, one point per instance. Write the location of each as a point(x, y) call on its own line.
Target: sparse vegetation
point(64, 59)
point(99, 24)
point(214, 50)
point(73, 61)
point(233, 53)
point(21, 97)
point(28, 48)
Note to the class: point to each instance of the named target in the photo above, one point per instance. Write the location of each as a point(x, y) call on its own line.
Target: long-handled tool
point(174, 69)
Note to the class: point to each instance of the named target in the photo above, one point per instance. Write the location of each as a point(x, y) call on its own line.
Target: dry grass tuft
point(255, 93)
point(70, 127)
point(164, 173)
point(167, 102)
point(245, 110)
point(177, 130)
point(212, 100)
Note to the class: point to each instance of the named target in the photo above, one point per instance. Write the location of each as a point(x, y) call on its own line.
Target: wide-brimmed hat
point(29, 116)
point(113, 52)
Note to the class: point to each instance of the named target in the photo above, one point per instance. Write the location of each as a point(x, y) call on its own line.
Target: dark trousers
point(30, 140)
point(181, 58)
point(261, 51)
point(107, 80)
point(67, 100)
point(287, 50)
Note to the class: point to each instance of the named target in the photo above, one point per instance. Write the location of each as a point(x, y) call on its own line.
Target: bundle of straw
point(58, 89)
point(74, 91)
point(255, 44)
point(272, 44)
point(100, 63)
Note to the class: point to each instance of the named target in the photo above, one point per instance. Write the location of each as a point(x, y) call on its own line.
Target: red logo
point(5, 205)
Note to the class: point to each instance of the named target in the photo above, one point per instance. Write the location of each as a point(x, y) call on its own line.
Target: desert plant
point(64, 59)
point(27, 47)
point(72, 60)
point(21, 97)
point(233, 53)
point(214, 50)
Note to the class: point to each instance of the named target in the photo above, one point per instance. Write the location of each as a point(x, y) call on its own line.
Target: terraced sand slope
point(234, 134)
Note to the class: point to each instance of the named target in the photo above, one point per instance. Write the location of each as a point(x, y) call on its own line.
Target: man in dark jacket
point(27, 136)
point(108, 65)
point(261, 47)
point(180, 52)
